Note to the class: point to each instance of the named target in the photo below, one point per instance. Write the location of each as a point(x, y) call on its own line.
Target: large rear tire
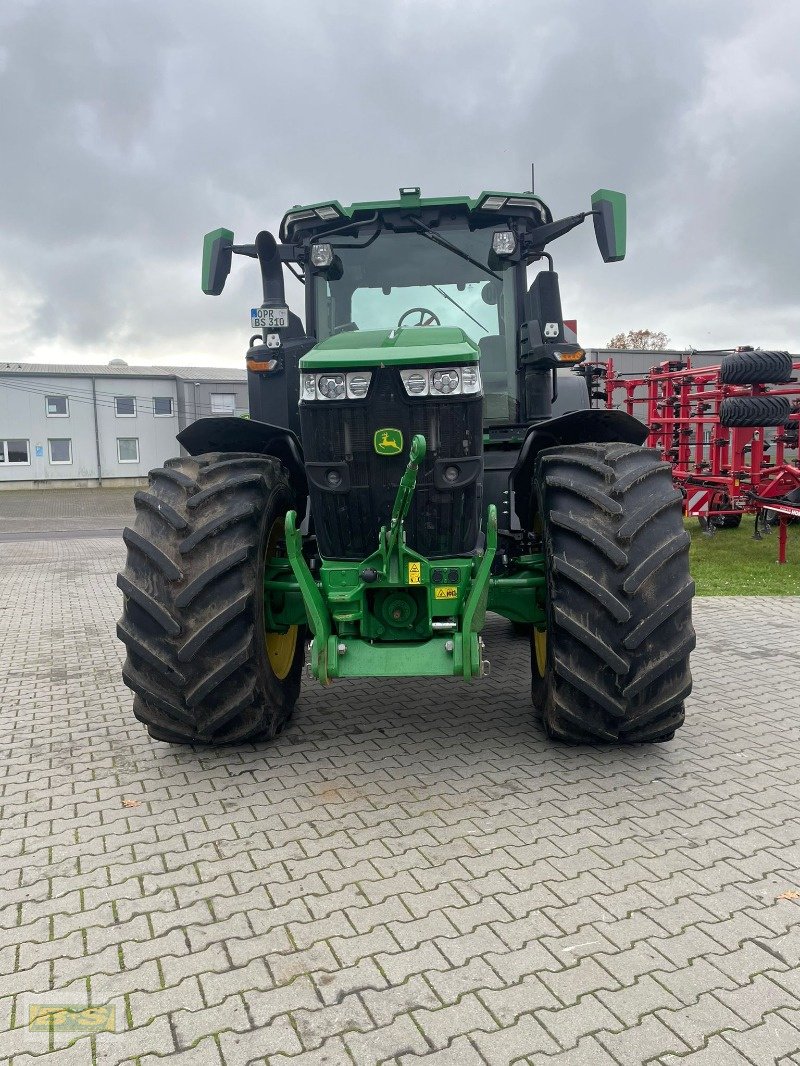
point(200, 663)
point(613, 664)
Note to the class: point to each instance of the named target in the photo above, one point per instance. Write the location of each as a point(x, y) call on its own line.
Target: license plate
point(269, 317)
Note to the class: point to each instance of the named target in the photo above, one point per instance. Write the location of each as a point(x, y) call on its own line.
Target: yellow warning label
point(445, 592)
point(414, 573)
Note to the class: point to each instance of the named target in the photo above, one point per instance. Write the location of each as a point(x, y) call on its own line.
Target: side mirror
point(217, 254)
point(610, 224)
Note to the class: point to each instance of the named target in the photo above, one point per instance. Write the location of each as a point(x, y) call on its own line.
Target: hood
point(411, 346)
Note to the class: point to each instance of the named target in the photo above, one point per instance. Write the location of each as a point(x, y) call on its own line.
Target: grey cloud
point(128, 129)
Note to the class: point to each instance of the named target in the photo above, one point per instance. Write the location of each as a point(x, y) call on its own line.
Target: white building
point(88, 425)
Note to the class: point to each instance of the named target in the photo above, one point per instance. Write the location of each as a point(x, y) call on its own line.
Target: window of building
point(223, 403)
point(57, 406)
point(162, 406)
point(60, 450)
point(15, 452)
point(128, 449)
point(125, 406)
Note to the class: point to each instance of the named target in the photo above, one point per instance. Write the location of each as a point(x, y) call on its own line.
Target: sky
point(128, 128)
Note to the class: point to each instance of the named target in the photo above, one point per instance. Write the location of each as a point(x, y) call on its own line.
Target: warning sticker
point(445, 592)
point(414, 573)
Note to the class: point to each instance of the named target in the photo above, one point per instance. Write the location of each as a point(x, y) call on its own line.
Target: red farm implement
point(729, 430)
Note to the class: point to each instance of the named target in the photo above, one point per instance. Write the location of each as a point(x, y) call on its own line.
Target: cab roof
point(489, 204)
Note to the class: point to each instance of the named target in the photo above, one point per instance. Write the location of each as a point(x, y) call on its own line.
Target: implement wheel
point(613, 663)
point(754, 411)
point(756, 368)
point(723, 521)
point(200, 662)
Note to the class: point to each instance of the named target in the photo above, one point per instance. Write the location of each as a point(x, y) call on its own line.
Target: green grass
point(731, 563)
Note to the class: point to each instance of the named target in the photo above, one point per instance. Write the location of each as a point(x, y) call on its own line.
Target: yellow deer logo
point(388, 441)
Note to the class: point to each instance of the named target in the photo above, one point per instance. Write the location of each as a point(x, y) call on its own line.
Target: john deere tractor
point(423, 450)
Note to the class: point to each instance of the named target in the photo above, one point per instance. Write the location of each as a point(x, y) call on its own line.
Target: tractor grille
point(347, 521)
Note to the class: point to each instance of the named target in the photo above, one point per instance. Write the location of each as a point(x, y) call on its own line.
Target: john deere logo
point(388, 441)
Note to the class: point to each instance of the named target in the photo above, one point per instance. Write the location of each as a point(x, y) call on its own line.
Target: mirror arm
point(288, 253)
point(543, 235)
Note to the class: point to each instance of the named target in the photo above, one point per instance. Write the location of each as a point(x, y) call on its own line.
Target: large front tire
point(613, 665)
point(199, 661)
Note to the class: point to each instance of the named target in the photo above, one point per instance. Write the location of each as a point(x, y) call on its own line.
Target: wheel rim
point(280, 647)
point(280, 651)
point(539, 635)
point(540, 649)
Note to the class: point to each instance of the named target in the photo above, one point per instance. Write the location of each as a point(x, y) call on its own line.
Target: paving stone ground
point(412, 872)
point(26, 510)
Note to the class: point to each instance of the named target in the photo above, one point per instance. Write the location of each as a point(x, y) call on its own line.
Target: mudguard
point(579, 427)
point(228, 434)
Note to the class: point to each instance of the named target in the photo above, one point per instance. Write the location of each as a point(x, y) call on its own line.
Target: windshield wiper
point(463, 310)
point(437, 238)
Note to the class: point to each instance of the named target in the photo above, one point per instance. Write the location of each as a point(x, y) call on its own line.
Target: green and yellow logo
point(388, 441)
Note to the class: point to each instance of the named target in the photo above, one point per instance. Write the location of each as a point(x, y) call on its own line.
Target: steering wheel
point(426, 317)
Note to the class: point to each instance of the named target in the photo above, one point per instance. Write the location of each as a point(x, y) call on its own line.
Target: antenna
point(533, 177)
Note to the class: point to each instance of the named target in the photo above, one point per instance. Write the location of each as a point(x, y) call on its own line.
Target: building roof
point(123, 370)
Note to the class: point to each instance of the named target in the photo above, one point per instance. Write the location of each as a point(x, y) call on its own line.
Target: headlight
point(470, 379)
point(358, 385)
point(415, 381)
point(354, 386)
point(445, 381)
point(492, 203)
point(331, 386)
point(321, 255)
point(503, 242)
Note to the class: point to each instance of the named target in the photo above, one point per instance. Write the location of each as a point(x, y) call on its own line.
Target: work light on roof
point(321, 255)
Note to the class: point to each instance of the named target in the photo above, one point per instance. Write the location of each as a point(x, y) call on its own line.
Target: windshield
point(408, 279)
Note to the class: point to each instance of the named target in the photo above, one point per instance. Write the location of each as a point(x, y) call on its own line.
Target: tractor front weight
point(395, 613)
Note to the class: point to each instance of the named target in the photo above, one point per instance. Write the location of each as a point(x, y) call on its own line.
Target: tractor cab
point(416, 262)
point(430, 263)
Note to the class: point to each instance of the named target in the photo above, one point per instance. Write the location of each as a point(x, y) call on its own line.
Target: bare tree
point(646, 339)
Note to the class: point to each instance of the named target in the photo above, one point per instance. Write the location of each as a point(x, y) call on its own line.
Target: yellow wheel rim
point(280, 651)
point(540, 635)
point(280, 647)
point(540, 647)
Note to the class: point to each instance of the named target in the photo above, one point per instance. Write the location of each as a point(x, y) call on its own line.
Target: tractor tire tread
point(619, 604)
point(149, 604)
point(168, 567)
point(192, 620)
point(159, 507)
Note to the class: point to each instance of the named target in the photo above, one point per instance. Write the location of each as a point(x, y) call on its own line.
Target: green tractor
point(422, 451)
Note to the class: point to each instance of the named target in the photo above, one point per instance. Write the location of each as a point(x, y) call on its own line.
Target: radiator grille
point(440, 522)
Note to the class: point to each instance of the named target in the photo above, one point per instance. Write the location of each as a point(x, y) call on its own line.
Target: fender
point(579, 427)
point(228, 434)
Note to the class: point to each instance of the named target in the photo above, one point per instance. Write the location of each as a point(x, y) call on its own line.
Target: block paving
point(412, 872)
point(67, 510)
